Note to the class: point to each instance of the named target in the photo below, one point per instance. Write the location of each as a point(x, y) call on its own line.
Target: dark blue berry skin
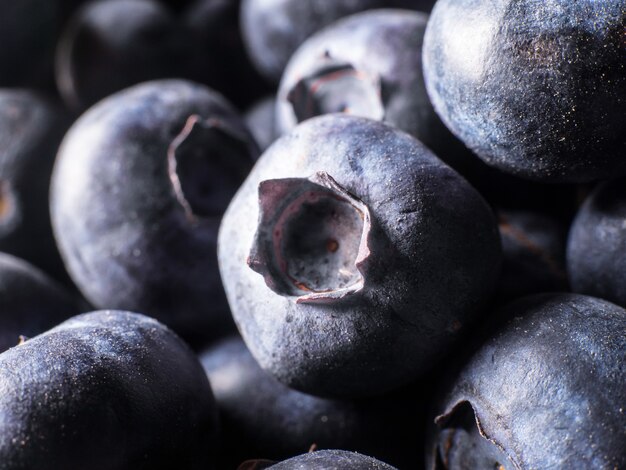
point(31, 129)
point(545, 391)
point(109, 45)
point(331, 460)
point(273, 30)
point(536, 89)
point(533, 255)
point(138, 190)
point(105, 390)
point(31, 301)
point(596, 249)
point(260, 416)
point(343, 309)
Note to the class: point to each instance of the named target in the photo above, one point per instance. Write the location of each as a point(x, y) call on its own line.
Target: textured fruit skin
point(260, 416)
point(548, 387)
point(31, 301)
point(596, 249)
point(435, 254)
point(126, 239)
point(31, 129)
point(331, 460)
point(84, 395)
point(536, 89)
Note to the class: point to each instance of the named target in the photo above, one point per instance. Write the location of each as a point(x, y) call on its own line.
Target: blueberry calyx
point(203, 161)
point(463, 443)
point(337, 87)
point(312, 239)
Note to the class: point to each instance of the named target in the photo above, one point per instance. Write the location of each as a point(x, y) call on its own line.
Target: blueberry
point(366, 257)
point(596, 250)
point(273, 30)
point(31, 129)
point(260, 416)
point(138, 190)
point(545, 391)
point(31, 301)
point(109, 45)
point(368, 64)
point(97, 392)
point(536, 89)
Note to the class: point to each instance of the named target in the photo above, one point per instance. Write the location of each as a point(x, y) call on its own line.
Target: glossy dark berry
point(105, 390)
point(596, 250)
point(352, 257)
point(31, 301)
point(259, 416)
point(546, 391)
point(535, 88)
point(331, 459)
point(109, 45)
point(138, 191)
point(31, 129)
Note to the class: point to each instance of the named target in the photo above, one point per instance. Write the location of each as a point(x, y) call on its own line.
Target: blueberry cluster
point(312, 234)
